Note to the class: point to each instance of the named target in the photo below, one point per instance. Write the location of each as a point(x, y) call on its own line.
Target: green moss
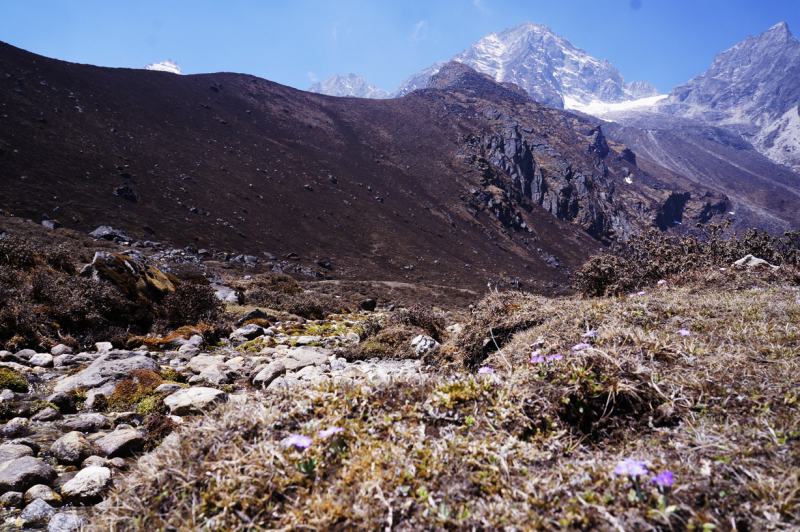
point(38, 405)
point(152, 404)
point(170, 374)
point(10, 380)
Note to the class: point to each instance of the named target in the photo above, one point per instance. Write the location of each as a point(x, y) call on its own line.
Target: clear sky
point(294, 42)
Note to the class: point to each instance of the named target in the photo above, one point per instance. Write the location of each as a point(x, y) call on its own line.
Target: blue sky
point(294, 41)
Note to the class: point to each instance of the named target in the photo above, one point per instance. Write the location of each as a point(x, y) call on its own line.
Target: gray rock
point(9, 452)
point(103, 347)
point(106, 232)
point(7, 395)
point(15, 429)
point(338, 365)
point(11, 499)
point(248, 332)
point(424, 344)
point(72, 448)
point(121, 443)
point(169, 387)
point(48, 414)
point(256, 314)
point(64, 403)
point(305, 356)
point(40, 491)
point(63, 360)
point(26, 354)
point(117, 463)
point(88, 484)
point(86, 423)
point(61, 349)
point(265, 377)
point(352, 338)
point(94, 461)
point(27, 442)
point(109, 369)
point(22, 473)
point(64, 522)
point(36, 513)
point(214, 374)
point(199, 363)
point(191, 401)
point(749, 261)
point(306, 340)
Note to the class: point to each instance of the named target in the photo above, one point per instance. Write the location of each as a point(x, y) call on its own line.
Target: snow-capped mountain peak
point(350, 86)
point(549, 67)
point(165, 66)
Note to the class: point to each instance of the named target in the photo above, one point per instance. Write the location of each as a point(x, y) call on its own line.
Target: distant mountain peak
point(350, 85)
point(550, 68)
point(165, 66)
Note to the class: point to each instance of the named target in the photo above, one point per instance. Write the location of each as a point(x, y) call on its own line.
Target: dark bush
point(418, 316)
point(189, 304)
point(17, 253)
point(308, 305)
point(651, 255)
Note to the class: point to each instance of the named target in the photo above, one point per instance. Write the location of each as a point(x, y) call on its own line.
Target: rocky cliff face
point(350, 85)
point(550, 68)
point(752, 88)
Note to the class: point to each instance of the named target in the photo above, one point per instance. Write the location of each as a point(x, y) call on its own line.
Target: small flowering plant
point(683, 332)
point(485, 370)
point(581, 346)
point(633, 469)
point(298, 441)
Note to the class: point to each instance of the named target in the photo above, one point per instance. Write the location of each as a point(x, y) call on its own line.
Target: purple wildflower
point(537, 359)
point(486, 370)
point(330, 432)
point(640, 293)
point(662, 281)
point(631, 468)
point(664, 479)
point(298, 440)
point(557, 356)
point(590, 334)
point(632, 295)
point(723, 269)
point(683, 332)
point(581, 346)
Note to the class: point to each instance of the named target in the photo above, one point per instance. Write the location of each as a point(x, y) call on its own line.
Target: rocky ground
point(76, 421)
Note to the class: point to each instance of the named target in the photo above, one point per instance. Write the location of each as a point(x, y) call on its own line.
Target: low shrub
point(189, 304)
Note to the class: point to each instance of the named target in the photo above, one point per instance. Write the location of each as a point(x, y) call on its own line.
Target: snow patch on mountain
point(348, 86)
point(165, 66)
point(603, 109)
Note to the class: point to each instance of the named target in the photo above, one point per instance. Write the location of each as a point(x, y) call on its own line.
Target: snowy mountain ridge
point(165, 66)
point(349, 86)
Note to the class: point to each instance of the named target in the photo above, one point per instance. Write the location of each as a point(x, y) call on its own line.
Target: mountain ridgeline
point(462, 183)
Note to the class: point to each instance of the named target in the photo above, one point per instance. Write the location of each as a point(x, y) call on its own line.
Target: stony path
point(58, 457)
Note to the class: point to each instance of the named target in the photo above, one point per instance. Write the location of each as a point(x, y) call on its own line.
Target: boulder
point(201, 362)
point(106, 232)
point(61, 349)
point(169, 387)
point(86, 423)
point(40, 491)
point(122, 442)
point(64, 522)
point(248, 332)
point(22, 473)
point(9, 452)
point(27, 442)
point(352, 338)
point(96, 461)
point(48, 414)
point(72, 448)
point(214, 374)
point(749, 262)
point(256, 314)
point(103, 347)
point(11, 499)
point(64, 403)
point(25, 354)
point(192, 401)
point(37, 512)
point(307, 340)
point(140, 278)
point(265, 377)
point(88, 484)
point(369, 305)
point(424, 344)
point(108, 369)
point(15, 428)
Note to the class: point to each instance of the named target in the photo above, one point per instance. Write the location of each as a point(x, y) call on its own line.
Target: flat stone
point(86, 423)
point(191, 401)
point(214, 374)
point(72, 448)
point(44, 360)
point(7, 395)
point(40, 491)
point(108, 369)
point(169, 387)
point(22, 473)
point(306, 340)
point(248, 332)
point(48, 414)
point(25, 353)
point(9, 452)
point(354, 373)
point(14, 429)
point(27, 442)
point(94, 461)
point(199, 363)
point(299, 358)
point(65, 522)
point(88, 484)
point(265, 377)
point(37, 512)
point(103, 346)
point(121, 443)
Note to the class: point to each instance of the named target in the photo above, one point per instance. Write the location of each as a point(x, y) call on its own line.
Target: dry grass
point(530, 447)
